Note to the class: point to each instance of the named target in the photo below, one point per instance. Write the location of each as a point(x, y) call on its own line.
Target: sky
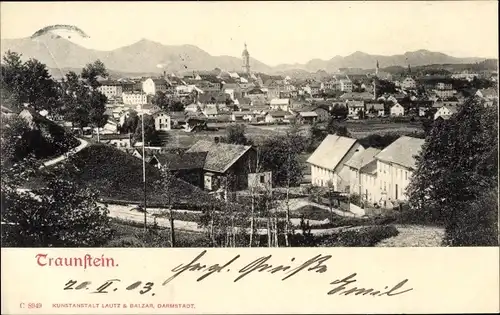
point(275, 32)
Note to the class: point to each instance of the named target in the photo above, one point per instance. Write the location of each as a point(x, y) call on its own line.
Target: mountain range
point(146, 56)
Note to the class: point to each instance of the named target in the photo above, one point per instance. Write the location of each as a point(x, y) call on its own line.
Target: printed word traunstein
point(86, 261)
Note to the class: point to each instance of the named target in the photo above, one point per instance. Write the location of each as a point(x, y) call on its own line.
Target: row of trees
point(75, 98)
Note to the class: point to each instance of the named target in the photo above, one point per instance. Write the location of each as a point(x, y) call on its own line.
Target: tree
point(130, 123)
point(161, 100)
point(235, 134)
point(28, 83)
point(339, 111)
point(456, 170)
point(281, 148)
point(384, 86)
point(150, 132)
point(96, 105)
point(165, 187)
point(61, 214)
point(92, 71)
point(84, 105)
point(334, 128)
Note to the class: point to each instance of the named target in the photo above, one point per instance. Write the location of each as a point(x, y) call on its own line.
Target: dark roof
point(207, 97)
point(210, 78)
point(182, 161)
point(161, 81)
point(114, 136)
point(110, 82)
point(220, 156)
point(278, 113)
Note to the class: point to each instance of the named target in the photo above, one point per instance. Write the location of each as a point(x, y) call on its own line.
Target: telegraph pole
point(144, 168)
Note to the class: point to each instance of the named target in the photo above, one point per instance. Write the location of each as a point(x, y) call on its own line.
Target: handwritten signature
point(316, 264)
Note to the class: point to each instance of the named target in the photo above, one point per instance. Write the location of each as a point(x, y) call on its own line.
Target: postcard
point(249, 157)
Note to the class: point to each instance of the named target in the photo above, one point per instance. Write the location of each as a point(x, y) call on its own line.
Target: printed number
point(34, 305)
point(147, 287)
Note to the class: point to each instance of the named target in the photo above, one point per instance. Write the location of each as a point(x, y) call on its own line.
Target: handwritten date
point(109, 286)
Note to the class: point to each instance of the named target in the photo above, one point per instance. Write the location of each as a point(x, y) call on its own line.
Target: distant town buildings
point(134, 98)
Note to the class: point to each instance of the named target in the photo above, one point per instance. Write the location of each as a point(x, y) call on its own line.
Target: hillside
point(146, 57)
point(366, 61)
point(118, 175)
point(30, 133)
point(143, 56)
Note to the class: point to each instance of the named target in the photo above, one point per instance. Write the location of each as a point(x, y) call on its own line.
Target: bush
point(127, 241)
point(350, 221)
point(365, 237)
point(312, 213)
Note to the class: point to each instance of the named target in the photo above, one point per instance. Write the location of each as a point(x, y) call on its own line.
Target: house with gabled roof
point(280, 104)
point(184, 165)
point(278, 116)
point(446, 111)
point(328, 162)
point(308, 117)
point(395, 166)
point(226, 165)
point(359, 182)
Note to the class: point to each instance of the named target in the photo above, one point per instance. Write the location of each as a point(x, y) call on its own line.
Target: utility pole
point(144, 169)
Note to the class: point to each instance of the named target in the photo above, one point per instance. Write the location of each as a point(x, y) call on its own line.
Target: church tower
point(375, 81)
point(246, 60)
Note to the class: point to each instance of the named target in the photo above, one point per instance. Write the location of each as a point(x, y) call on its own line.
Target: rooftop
point(331, 151)
point(402, 151)
point(181, 160)
point(360, 160)
point(220, 156)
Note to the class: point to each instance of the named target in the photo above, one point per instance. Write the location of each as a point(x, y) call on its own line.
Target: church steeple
point(246, 60)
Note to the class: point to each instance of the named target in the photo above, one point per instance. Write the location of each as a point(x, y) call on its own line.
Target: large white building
point(378, 176)
point(328, 162)
point(151, 86)
point(111, 89)
point(134, 98)
point(395, 166)
point(346, 85)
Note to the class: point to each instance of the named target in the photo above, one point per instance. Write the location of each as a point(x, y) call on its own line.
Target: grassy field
point(358, 129)
point(134, 234)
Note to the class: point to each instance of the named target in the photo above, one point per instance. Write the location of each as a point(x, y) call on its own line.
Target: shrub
point(127, 241)
point(365, 237)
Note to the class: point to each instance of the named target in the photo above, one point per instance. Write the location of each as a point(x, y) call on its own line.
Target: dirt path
point(414, 236)
point(81, 146)
point(125, 213)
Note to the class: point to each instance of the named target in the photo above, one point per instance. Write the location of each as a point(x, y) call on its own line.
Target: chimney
point(216, 139)
point(165, 75)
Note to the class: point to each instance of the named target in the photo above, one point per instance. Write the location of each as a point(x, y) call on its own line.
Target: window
point(406, 175)
point(262, 179)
